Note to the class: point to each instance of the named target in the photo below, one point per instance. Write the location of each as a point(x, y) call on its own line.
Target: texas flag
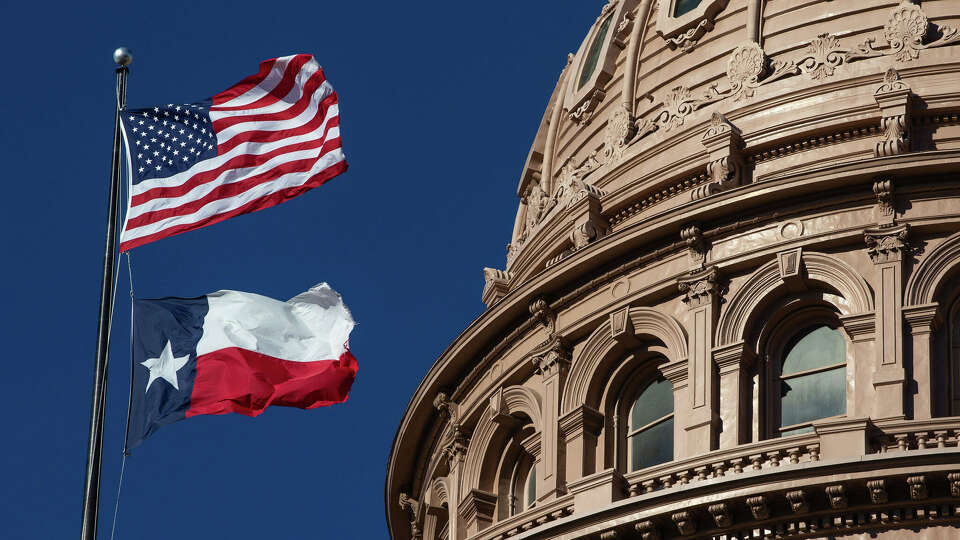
point(239, 352)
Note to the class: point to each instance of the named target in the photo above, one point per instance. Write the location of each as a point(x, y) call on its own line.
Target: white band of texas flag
point(237, 352)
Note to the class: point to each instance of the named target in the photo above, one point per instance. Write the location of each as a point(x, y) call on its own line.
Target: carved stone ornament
point(555, 360)
point(789, 263)
point(954, 480)
point(726, 168)
point(619, 132)
point(918, 487)
point(585, 112)
point(571, 186)
point(685, 522)
point(412, 506)
point(699, 288)
point(538, 204)
point(759, 507)
point(883, 189)
point(886, 244)
point(878, 491)
point(647, 530)
point(447, 408)
point(456, 449)
point(496, 285)
point(612, 534)
point(583, 234)
point(687, 41)
point(798, 501)
point(894, 99)
point(904, 35)
point(746, 65)
point(721, 515)
point(837, 496)
point(544, 314)
point(696, 246)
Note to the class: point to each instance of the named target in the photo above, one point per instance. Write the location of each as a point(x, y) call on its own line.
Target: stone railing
point(906, 435)
point(536, 516)
point(747, 457)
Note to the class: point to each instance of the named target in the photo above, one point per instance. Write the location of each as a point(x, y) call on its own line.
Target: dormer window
point(590, 64)
point(682, 23)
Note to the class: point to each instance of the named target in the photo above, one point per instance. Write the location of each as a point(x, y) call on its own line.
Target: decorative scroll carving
point(759, 507)
point(698, 288)
point(878, 491)
point(447, 408)
point(918, 487)
point(721, 515)
point(687, 41)
point(837, 496)
point(685, 522)
point(696, 245)
point(647, 530)
point(583, 234)
point(496, 285)
point(727, 167)
point(904, 35)
point(586, 111)
point(954, 480)
point(412, 506)
point(620, 129)
point(893, 96)
point(885, 244)
point(798, 501)
point(883, 189)
point(544, 314)
point(746, 65)
point(572, 187)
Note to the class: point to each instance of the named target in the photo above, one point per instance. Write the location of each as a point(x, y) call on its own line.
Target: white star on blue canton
point(165, 367)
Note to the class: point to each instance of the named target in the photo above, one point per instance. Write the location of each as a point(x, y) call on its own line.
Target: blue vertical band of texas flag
point(264, 140)
point(232, 351)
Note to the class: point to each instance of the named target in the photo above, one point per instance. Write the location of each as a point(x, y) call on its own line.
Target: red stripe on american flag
point(257, 177)
point(258, 204)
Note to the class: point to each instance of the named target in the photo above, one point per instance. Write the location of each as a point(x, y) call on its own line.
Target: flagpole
point(91, 490)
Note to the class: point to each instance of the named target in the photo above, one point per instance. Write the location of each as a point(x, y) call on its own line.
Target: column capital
point(580, 420)
point(675, 372)
point(700, 288)
point(887, 244)
point(922, 319)
point(733, 357)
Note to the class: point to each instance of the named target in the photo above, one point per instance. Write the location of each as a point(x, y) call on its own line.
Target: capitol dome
point(730, 306)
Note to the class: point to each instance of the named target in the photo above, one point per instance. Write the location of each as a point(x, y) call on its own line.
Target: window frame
point(670, 27)
point(638, 382)
point(784, 336)
point(614, 43)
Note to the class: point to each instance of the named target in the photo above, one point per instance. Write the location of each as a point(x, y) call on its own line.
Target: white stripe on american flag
point(262, 160)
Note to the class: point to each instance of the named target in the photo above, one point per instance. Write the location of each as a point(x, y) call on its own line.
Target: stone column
point(923, 321)
point(701, 297)
point(733, 363)
point(885, 246)
point(455, 452)
point(580, 429)
point(552, 367)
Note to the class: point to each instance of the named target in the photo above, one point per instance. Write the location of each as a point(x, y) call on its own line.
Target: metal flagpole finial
point(122, 56)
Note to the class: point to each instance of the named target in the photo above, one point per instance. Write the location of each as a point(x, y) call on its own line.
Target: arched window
point(517, 477)
point(650, 431)
point(593, 55)
point(810, 380)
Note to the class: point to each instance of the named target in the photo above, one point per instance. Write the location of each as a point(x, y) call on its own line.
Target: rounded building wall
point(731, 303)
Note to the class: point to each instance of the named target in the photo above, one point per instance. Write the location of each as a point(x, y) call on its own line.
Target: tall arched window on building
point(810, 379)
point(593, 54)
point(650, 425)
point(517, 480)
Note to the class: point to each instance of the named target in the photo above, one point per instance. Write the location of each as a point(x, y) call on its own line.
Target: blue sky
point(439, 104)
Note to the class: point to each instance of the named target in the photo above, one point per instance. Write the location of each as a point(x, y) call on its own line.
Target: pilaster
point(886, 246)
point(923, 321)
point(701, 296)
point(580, 429)
point(677, 372)
point(733, 364)
point(551, 359)
point(476, 511)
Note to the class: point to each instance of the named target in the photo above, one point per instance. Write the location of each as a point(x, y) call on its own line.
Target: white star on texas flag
point(165, 367)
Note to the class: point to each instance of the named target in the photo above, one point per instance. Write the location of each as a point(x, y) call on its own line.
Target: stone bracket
point(895, 101)
point(726, 166)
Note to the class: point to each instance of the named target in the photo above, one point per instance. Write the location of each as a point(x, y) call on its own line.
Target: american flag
point(265, 140)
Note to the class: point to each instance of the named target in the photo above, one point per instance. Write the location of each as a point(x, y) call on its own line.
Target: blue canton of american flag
point(265, 140)
point(169, 139)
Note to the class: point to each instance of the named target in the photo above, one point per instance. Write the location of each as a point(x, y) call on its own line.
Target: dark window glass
point(684, 6)
point(813, 379)
point(652, 446)
point(593, 55)
point(651, 426)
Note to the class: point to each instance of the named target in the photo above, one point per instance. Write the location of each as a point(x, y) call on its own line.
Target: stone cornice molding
point(646, 324)
point(733, 357)
point(766, 280)
point(477, 503)
point(922, 319)
point(676, 372)
point(859, 326)
point(922, 287)
point(583, 419)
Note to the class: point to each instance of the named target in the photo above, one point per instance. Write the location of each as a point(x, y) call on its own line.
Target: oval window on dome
point(593, 55)
point(681, 7)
